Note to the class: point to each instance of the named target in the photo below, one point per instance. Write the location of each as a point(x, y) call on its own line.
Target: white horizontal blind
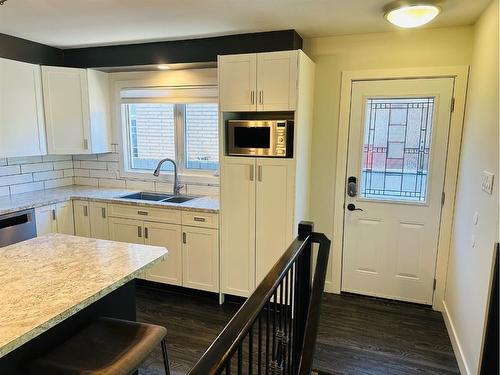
point(173, 94)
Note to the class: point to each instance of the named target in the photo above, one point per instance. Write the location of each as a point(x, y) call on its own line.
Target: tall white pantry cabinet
point(263, 199)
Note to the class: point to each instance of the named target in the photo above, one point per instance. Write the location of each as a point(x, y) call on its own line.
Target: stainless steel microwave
point(271, 138)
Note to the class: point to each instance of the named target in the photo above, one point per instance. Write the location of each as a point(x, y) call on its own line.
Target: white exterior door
point(396, 164)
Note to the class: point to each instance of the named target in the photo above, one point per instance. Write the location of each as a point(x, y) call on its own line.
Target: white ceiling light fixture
point(163, 67)
point(409, 14)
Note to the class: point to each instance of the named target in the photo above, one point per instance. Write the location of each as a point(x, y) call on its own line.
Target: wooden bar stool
point(105, 347)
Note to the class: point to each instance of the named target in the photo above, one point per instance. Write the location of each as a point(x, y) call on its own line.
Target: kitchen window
point(176, 123)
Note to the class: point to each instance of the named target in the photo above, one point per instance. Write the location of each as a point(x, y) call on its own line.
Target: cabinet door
point(22, 126)
point(237, 82)
point(126, 230)
point(65, 220)
point(274, 212)
point(238, 225)
point(65, 96)
point(46, 220)
point(170, 236)
point(200, 258)
point(82, 219)
point(277, 81)
point(99, 225)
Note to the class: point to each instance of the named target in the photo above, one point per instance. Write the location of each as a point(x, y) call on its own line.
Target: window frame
point(192, 175)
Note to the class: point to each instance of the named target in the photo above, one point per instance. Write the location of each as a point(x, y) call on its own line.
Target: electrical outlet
point(487, 182)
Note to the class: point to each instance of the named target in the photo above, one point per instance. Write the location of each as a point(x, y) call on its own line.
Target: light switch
point(487, 182)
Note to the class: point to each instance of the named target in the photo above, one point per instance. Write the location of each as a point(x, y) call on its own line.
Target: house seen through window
point(185, 132)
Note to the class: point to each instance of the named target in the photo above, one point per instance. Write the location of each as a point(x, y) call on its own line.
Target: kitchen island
point(53, 285)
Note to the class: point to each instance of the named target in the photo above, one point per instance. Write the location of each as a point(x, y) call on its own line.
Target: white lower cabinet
point(193, 252)
point(169, 236)
point(55, 218)
point(91, 219)
point(200, 258)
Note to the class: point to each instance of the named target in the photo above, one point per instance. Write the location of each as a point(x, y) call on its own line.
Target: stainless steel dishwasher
point(17, 226)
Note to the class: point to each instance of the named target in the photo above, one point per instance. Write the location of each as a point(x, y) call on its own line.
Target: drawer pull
point(143, 213)
point(202, 219)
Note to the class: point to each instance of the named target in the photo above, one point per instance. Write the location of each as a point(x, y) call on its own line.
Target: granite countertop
point(47, 279)
point(40, 198)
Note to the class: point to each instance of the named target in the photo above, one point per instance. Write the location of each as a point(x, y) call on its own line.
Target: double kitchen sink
point(158, 197)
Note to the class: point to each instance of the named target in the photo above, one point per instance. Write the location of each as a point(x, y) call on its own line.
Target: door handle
point(184, 237)
point(54, 216)
point(261, 97)
point(251, 173)
point(146, 233)
point(85, 211)
point(103, 212)
point(352, 186)
point(139, 232)
point(252, 97)
point(259, 173)
point(352, 207)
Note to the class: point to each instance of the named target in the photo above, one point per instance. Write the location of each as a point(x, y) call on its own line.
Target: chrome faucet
point(177, 186)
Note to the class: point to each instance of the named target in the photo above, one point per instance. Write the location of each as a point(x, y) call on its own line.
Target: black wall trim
point(28, 51)
point(182, 51)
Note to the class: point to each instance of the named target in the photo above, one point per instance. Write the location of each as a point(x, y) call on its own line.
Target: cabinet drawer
point(161, 215)
point(200, 219)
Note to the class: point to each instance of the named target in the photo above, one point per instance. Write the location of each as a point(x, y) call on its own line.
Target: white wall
point(469, 269)
point(402, 49)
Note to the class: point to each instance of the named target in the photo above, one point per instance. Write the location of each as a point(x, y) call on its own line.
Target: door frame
point(460, 74)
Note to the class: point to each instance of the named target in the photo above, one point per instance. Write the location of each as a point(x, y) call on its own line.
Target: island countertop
point(45, 280)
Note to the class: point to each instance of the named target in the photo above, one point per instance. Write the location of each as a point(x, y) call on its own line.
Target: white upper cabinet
point(277, 81)
point(258, 82)
point(237, 82)
point(77, 112)
point(22, 129)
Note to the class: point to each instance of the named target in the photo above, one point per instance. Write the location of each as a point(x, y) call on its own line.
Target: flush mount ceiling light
point(163, 67)
point(2, 2)
point(410, 14)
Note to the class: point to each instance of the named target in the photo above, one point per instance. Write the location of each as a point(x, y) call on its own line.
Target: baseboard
point(455, 343)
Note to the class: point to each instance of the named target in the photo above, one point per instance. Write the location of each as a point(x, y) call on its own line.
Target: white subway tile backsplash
point(38, 167)
point(25, 188)
point(69, 172)
point(86, 181)
point(140, 185)
point(109, 183)
point(4, 190)
point(57, 158)
point(202, 190)
point(85, 157)
point(93, 165)
point(16, 179)
point(81, 172)
point(3, 161)
point(50, 175)
point(11, 169)
point(24, 160)
point(108, 157)
point(58, 183)
point(66, 164)
point(100, 173)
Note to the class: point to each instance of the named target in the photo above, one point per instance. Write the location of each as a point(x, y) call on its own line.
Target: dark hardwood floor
point(358, 335)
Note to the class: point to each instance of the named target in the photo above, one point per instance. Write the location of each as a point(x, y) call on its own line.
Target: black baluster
point(228, 366)
point(268, 323)
point(240, 360)
point(250, 351)
point(259, 344)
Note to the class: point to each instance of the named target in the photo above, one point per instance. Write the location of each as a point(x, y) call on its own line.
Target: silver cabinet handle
point(146, 232)
point(184, 237)
point(259, 173)
point(252, 97)
point(251, 173)
point(261, 97)
point(202, 219)
point(86, 144)
point(54, 217)
point(143, 213)
point(103, 212)
point(85, 211)
point(139, 231)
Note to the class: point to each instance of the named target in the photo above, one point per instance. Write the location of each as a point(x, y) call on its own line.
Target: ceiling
point(65, 23)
